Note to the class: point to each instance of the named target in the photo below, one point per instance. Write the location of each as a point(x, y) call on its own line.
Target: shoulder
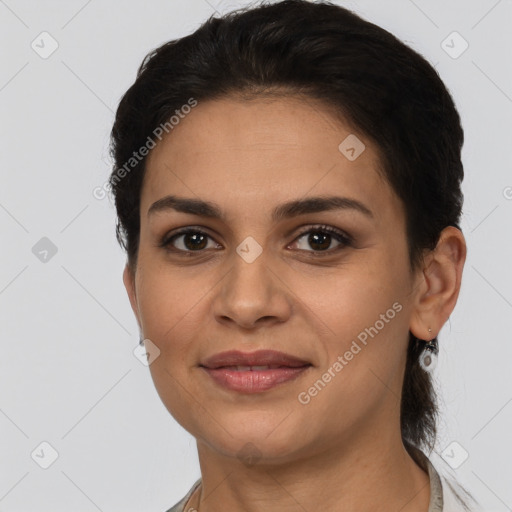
point(455, 497)
point(446, 494)
point(180, 506)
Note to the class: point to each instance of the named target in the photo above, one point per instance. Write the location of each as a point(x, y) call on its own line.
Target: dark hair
point(379, 86)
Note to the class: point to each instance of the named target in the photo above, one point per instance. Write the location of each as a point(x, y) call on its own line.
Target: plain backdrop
point(73, 396)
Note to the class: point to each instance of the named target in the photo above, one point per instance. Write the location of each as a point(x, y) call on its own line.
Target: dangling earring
point(141, 340)
point(428, 357)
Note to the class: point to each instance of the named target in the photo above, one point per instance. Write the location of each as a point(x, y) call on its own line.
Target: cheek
point(360, 315)
point(171, 307)
point(363, 357)
point(170, 303)
point(346, 301)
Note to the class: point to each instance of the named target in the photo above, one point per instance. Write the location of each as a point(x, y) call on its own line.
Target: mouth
point(260, 358)
point(253, 372)
point(253, 368)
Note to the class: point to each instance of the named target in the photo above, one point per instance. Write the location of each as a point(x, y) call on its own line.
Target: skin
point(343, 450)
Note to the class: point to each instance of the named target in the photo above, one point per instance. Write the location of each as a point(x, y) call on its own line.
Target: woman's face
point(252, 279)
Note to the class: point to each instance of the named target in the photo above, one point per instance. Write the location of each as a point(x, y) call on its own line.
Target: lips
point(254, 368)
point(253, 372)
point(254, 361)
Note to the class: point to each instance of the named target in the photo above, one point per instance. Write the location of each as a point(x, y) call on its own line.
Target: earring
point(428, 357)
point(141, 340)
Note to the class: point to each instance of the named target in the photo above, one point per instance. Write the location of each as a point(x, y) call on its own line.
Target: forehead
point(260, 151)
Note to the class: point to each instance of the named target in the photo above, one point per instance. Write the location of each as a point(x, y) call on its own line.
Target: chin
point(255, 443)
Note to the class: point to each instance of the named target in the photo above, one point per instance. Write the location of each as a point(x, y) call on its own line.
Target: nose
point(252, 295)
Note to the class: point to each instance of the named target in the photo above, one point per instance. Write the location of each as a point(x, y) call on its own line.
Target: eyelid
point(346, 239)
point(165, 240)
point(325, 228)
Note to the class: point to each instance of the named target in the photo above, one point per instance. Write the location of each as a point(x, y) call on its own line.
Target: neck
point(369, 473)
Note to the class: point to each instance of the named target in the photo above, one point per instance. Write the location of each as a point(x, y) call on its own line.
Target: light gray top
point(443, 496)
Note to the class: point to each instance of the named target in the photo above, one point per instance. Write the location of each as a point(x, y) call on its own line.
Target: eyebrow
point(283, 211)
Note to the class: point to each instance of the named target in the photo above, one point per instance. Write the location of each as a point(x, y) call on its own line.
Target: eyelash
point(344, 239)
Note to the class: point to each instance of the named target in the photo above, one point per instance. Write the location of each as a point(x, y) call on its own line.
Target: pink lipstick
point(253, 372)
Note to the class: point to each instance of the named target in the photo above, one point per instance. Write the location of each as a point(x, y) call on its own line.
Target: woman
point(287, 184)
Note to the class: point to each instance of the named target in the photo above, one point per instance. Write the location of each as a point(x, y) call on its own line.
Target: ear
point(129, 284)
point(438, 286)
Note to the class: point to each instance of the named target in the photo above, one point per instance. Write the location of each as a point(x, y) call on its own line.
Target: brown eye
point(187, 240)
point(194, 241)
point(320, 239)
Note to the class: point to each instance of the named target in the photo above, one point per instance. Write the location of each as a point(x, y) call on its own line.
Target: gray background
point(68, 375)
